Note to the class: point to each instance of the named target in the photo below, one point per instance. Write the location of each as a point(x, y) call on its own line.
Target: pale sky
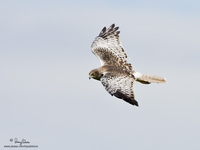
point(45, 57)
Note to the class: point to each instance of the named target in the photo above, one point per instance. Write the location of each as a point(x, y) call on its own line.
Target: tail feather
point(147, 79)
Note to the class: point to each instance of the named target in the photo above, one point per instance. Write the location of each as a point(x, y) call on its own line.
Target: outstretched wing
point(120, 86)
point(108, 48)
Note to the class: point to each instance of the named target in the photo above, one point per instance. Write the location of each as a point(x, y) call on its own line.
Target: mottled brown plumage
point(115, 73)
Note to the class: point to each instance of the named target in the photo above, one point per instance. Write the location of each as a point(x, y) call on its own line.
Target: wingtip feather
point(102, 31)
point(113, 25)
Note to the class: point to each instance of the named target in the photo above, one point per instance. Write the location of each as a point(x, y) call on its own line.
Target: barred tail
point(147, 79)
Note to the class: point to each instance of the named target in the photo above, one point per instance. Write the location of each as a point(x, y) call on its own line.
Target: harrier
point(115, 73)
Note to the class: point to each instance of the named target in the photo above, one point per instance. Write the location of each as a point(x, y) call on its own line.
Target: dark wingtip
point(116, 28)
point(118, 32)
point(111, 30)
point(113, 25)
point(120, 95)
point(104, 29)
point(136, 103)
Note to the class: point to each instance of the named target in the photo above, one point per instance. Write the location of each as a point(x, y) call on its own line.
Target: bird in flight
point(115, 73)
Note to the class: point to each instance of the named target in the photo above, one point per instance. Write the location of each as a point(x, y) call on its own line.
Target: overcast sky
point(45, 57)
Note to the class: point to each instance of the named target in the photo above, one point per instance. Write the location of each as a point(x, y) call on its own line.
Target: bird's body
point(115, 73)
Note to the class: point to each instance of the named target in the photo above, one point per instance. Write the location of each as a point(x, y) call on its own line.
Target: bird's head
point(95, 74)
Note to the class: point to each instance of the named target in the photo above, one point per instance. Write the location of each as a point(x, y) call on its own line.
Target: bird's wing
point(108, 48)
point(120, 86)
